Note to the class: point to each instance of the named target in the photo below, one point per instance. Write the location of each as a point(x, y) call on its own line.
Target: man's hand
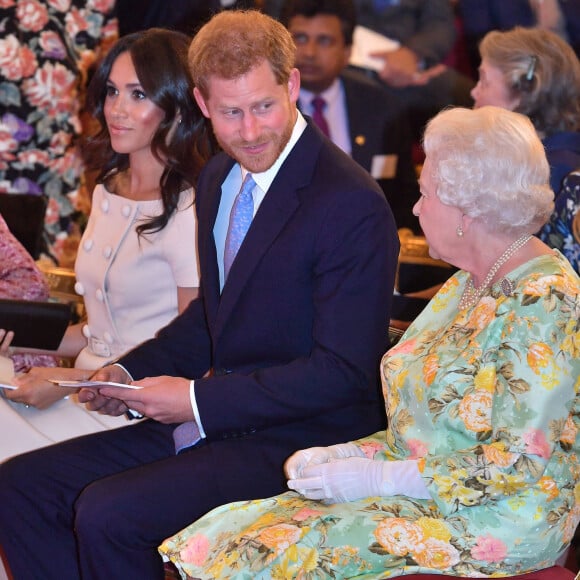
point(106, 405)
point(165, 399)
point(401, 68)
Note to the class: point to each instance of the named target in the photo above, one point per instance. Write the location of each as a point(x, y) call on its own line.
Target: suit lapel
point(207, 201)
point(277, 208)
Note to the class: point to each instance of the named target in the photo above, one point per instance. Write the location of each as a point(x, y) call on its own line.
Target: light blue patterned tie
point(240, 220)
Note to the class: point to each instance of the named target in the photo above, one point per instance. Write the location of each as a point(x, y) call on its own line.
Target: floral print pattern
point(20, 279)
point(559, 232)
point(488, 400)
point(47, 48)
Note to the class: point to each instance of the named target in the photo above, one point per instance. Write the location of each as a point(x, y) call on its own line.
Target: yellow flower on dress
point(496, 453)
point(539, 355)
point(475, 411)
point(452, 490)
point(436, 554)
point(571, 344)
point(398, 536)
point(503, 484)
point(485, 379)
point(434, 528)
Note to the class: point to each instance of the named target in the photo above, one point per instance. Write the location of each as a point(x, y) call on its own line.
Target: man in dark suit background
point(363, 119)
point(278, 354)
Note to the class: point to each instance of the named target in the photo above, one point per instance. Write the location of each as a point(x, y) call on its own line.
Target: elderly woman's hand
point(296, 463)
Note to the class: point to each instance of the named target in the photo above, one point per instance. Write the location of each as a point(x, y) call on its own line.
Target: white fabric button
point(105, 205)
point(86, 331)
point(79, 289)
point(87, 245)
point(108, 338)
point(107, 252)
point(126, 211)
point(99, 294)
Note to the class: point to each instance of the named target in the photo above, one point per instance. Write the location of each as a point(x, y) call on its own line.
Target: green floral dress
point(488, 400)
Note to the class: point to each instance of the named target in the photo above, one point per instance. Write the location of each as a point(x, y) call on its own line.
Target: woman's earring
point(459, 231)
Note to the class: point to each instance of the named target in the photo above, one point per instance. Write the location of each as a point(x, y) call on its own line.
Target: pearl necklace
point(471, 294)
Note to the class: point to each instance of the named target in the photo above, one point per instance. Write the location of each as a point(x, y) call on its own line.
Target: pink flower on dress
point(305, 513)
point(489, 549)
point(196, 550)
point(399, 536)
point(417, 448)
point(32, 15)
point(536, 443)
point(404, 347)
point(434, 553)
point(370, 449)
point(7, 3)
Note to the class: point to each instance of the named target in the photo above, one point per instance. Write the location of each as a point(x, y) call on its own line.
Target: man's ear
point(200, 101)
point(294, 85)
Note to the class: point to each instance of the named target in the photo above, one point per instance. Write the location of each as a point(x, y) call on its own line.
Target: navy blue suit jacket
point(295, 339)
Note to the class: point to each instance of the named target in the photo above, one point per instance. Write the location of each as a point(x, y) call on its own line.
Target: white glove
point(315, 455)
point(356, 477)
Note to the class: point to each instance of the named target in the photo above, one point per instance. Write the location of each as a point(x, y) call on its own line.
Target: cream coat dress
point(129, 285)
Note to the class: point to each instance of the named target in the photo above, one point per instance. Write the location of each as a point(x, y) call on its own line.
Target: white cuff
point(195, 409)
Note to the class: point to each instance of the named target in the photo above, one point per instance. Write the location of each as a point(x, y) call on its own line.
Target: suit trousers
point(98, 506)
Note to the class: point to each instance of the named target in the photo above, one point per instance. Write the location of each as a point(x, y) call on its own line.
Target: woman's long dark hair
point(160, 60)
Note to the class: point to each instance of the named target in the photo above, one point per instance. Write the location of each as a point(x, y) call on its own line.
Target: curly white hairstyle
point(490, 163)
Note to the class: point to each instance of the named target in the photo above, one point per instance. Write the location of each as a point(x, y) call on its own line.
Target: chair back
point(24, 215)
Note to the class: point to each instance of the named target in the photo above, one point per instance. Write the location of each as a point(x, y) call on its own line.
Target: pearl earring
point(459, 231)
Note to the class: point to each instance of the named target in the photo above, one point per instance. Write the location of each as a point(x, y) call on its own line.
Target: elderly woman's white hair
point(490, 163)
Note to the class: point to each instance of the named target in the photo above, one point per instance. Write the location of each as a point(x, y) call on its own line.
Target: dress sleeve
point(180, 244)
point(20, 279)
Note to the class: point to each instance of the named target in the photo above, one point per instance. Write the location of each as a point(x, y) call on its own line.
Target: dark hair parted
point(234, 42)
point(344, 10)
point(182, 142)
point(542, 71)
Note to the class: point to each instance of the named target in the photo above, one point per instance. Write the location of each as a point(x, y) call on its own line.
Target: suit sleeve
point(182, 348)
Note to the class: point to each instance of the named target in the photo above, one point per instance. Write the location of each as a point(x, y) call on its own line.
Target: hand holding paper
point(6, 373)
